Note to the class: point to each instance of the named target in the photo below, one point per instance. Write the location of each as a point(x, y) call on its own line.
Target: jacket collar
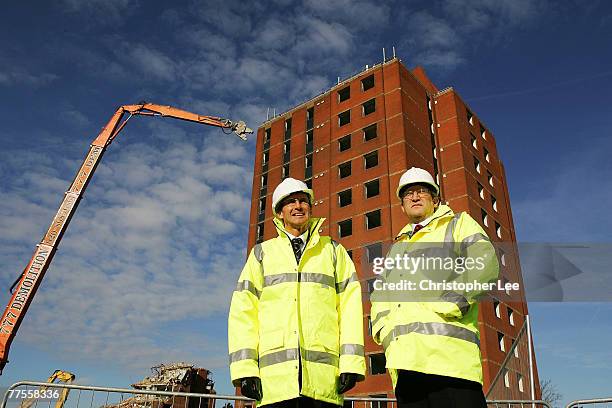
point(313, 227)
point(442, 211)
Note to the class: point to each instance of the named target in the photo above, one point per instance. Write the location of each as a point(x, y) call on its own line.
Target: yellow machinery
point(60, 376)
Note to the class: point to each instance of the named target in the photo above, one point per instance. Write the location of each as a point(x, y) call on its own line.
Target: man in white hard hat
point(431, 339)
point(295, 327)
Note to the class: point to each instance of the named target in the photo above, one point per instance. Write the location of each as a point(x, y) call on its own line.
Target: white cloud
point(275, 34)
point(487, 14)
point(160, 239)
point(15, 78)
point(151, 62)
point(323, 37)
point(442, 37)
point(73, 117)
point(104, 11)
point(361, 14)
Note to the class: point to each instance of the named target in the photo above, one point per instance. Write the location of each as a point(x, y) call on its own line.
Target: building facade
point(351, 144)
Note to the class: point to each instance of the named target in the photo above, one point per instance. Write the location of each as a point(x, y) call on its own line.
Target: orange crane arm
point(28, 282)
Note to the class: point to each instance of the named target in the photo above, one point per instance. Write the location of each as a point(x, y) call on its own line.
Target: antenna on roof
point(394, 51)
point(384, 57)
point(338, 80)
point(268, 114)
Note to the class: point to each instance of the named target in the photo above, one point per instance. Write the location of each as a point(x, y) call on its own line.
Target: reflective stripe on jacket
point(436, 337)
point(281, 312)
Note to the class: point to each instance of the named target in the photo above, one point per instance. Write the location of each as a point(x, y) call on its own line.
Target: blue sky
point(145, 271)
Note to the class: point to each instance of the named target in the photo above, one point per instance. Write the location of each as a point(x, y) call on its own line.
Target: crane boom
point(29, 280)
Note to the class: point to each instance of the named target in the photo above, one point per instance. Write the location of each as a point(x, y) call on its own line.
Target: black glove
point(346, 382)
point(250, 387)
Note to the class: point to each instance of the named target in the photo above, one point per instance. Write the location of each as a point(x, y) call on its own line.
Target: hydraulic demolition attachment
point(60, 376)
point(27, 283)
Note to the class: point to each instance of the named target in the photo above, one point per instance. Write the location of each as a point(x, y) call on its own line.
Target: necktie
point(296, 243)
point(416, 229)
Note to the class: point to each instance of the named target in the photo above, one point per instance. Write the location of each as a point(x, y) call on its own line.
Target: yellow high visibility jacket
point(438, 335)
point(284, 314)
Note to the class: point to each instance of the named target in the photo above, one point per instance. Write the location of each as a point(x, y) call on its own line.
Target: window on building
point(371, 285)
point(497, 308)
point(490, 179)
point(373, 219)
point(309, 141)
point(345, 228)
point(344, 170)
point(480, 190)
point(485, 218)
point(287, 151)
point(519, 380)
point(477, 165)
point(345, 198)
point(369, 107)
point(309, 137)
point(371, 159)
point(498, 230)
point(372, 188)
point(285, 171)
point(344, 118)
point(344, 94)
point(505, 282)
point(266, 156)
point(309, 118)
point(369, 132)
point(260, 232)
point(474, 143)
point(308, 165)
point(487, 155)
point(308, 183)
point(367, 83)
point(494, 203)
point(374, 251)
point(344, 143)
point(470, 117)
point(264, 180)
point(350, 253)
point(511, 316)
point(502, 257)
point(516, 351)
point(500, 340)
point(267, 136)
point(287, 128)
point(369, 325)
point(262, 204)
point(506, 378)
point(379, 404)
point(483, 132)
point(377, 363)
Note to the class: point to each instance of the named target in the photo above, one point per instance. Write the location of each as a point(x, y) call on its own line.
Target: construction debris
point(176, 377)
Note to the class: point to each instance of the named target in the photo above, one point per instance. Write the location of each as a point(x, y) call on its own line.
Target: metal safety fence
point(593, 402)
point(30, 394)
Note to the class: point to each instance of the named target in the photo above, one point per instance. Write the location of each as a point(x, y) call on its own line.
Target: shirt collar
point(304, 236)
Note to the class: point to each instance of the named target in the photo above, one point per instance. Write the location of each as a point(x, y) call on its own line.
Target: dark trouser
point(418, 390)
point(301, 402)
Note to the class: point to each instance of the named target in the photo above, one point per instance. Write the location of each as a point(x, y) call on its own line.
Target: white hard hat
point(416, 175)
point(287, 187)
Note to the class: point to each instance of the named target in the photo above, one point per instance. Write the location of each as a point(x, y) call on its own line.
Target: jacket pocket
point(271, 340)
